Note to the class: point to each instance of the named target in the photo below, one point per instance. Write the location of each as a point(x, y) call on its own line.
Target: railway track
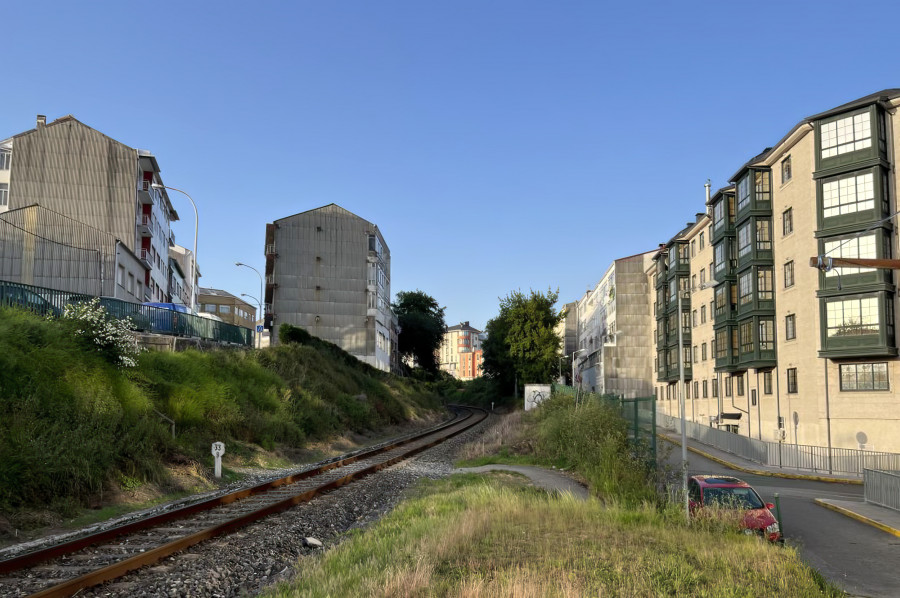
point(66, 568)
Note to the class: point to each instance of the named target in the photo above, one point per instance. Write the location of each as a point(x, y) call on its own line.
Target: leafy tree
point(421, 327)
point(522, 342)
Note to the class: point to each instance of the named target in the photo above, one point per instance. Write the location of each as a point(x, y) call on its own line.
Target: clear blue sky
point(498, 145)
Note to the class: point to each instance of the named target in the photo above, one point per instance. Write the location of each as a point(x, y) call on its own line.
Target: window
point(746, 337)
point(693, 248)
point(696, 389)
point(719, 257)
point(120, 276)
point(702, 244)
point(696, 353)
point(767, 382)
point(715, 385)
point(746, 286)
point(740, 385)
point(703, 346)
point(721, 344)
point(719, 215)
point(743, 192)
point(705, 388)
point(864, 376)
point(693, 282)
point(703, 314)
point(5, 156)
point(728, 386)
point(766, 335)
point(694, 318)
point(765, 283)
point(209, 308)
point(721, 300)
point(130, 283)
point(789, 274)
point(790, 326)
point(702, 276)
point(763, 235)
point(786, 170)
point(762, 186)
point(224, 309)
point(852, 317)
point(744, 244)
point(846, 135)
point(687, 390)
point(848, 195)
point(792, 380)
point(853, 247)
point(787, 221)
point(4, 194)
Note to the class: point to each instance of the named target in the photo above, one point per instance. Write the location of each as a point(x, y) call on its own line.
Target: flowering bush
point(110, 336)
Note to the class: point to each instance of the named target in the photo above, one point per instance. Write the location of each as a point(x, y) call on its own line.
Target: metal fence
point(144, 318)
point(783, 454)
point(882, 488)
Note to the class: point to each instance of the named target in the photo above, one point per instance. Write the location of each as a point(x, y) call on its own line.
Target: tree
point(522, 342)
point(421, 327)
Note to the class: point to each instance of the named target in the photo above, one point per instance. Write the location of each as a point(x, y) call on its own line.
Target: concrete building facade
point(226, 306)
point(74, 170)
point(802, 355)
point(329, 271)
point(460, 352)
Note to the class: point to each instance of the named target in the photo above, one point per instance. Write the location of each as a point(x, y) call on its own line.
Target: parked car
point(731, 493)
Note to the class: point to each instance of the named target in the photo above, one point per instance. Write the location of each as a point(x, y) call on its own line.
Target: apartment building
point(74, 170)
point(614, 329)
point(226, 306)
point(567, 329)
point(181, 283)
point(460, 352)
point(329, 271)
point(801, 355)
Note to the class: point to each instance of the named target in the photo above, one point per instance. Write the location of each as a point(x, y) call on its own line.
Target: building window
point(846, 135)
point(763, 235)
point(715, 388)
point(703, 347)
point(694, 318)
point(702, 244)
point(767, 382)
point(120, 276)
point(703, 314)
point(719, 215)
point(790, 327)
point(864, 376)
point(848, 195)
point(696, 389)
point(4, 194)
point(792, 380)
point(131, 283)
point(5, 156)
point(719, 257)
point(744, 244)
point(729, 386)
point(693, 248)
point(696, 353)
point(852, 317)
point(746, 287)
point(721, 344)
point(746, 329)
point(740, 385)
point(786, 170)
point(705, 388)
point(787, 221)
point(702, 276)
point(766, 335)
point(721, 300)
point(762, 184)
point(224, 309)
point(854, 247)
point(765, 283)
point(789, 274)
point(743, 192)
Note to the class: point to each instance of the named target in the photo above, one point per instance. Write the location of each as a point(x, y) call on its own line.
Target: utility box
point(534, 394)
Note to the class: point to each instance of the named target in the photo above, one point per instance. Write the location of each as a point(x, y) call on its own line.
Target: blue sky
point(498, 145)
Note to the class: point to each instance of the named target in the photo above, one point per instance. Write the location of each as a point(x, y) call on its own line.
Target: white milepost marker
point(218, 449)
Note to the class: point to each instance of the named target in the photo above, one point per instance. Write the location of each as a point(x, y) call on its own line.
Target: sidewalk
point(887, 520)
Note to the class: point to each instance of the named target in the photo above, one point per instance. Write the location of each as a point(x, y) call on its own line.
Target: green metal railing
point(144, 318)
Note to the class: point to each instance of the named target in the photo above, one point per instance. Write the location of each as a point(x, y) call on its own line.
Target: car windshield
point(735, 498)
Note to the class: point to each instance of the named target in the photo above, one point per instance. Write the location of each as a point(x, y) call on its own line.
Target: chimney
point(41, 120)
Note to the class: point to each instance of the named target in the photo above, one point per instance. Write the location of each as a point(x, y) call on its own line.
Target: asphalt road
point(861, 559)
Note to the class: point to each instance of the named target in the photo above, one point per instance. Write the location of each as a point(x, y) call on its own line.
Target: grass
point(482, 536)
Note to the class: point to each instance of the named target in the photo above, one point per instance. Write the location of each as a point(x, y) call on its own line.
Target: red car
point(729, 492)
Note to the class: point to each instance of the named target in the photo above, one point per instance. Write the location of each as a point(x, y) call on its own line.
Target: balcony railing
point(270, 249)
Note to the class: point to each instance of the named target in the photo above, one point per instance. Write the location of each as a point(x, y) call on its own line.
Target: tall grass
point(70, 423)
point(478, 537)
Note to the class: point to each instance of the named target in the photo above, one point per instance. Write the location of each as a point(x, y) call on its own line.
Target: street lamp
point(262, 315)
point(196, 230)
point(259, 304)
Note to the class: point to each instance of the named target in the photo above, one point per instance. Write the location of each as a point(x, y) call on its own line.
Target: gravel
point(245, 562)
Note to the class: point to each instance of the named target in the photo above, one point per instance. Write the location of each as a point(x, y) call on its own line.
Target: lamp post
point(258, 334)
point(196, 230)
point(262, 315)
point(684, 462)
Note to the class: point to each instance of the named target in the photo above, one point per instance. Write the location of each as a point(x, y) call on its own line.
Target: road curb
point(861, 518)
point(774, 474)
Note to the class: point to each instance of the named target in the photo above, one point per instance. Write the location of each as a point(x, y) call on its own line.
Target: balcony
point(270, 249)
point(147, 195)
point(270, 279)
point(146, 257)
point(145, 225)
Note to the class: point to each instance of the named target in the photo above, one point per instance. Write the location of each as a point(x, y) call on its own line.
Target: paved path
point(548, 479)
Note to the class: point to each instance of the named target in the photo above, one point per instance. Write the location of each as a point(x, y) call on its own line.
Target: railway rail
point(68, 567)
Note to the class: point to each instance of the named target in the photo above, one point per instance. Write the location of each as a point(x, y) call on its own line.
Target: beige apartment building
point(793, 353)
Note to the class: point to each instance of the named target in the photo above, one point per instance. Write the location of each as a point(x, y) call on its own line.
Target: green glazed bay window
point(853, 193)
point(852, 316)
point(847, 134)
point(858, 325)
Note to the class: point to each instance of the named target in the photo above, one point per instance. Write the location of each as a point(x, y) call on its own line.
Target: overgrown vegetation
point(492, 536)
point(73, 423)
